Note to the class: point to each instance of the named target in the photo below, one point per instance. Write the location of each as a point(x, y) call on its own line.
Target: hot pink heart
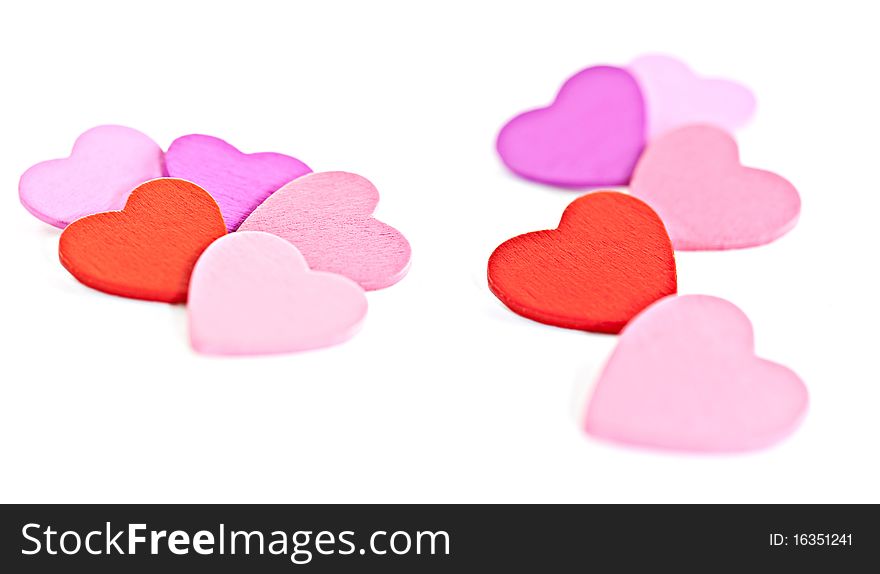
point(252, 293)
point(707, 200)
point(106, 164)
point(328, 216)
point(684, 377)
point(237, 181)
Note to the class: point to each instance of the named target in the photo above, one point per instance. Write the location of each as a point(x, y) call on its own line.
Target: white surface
point(445, 395)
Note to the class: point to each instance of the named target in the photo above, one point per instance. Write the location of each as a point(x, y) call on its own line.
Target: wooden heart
point(106, 163)
point(329, 217)
point(684, 376)
point(252, 293)
point(609, 258)
point(147, 250)
point(675, 96)
point(693, 178)
point(237, 181)
point(591, 135)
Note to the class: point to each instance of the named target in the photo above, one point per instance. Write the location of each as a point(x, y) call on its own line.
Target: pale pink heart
point(675, 96)
point(684, 376)
point(252, 293)
point(329, 217)
point(707, 200)
point(106, 164)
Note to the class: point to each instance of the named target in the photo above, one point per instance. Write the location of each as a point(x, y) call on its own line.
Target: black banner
point(424, 538)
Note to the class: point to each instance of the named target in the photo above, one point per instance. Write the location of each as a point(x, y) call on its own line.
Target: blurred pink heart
point(675, 96)
point(252, 293)
point(684, 377)
point(106, 164)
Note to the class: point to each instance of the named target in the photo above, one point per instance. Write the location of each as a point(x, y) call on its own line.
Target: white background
point(445, 395)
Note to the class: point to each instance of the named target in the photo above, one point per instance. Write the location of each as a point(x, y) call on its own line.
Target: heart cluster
point(684, 375)
point(665, 132)
point(269, 256)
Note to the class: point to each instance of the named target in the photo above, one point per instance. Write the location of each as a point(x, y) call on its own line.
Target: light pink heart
point(252, 293)
point(675, 96)
point(106, 164)
point(684, 376)
point(328, 216)
point(707, 200)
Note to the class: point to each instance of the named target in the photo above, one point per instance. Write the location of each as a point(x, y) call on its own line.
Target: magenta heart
point(252, 293)
point(238, 182)
point(591, 135)
point(329, 217)
point(684, 376)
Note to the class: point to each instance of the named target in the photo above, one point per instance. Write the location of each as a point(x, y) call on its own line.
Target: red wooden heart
point(147, 250)
point(609, 258)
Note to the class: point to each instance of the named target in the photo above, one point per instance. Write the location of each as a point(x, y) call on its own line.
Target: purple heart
point(237, 181)
point(591, 135)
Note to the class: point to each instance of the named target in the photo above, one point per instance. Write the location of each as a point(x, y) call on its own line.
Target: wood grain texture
point(328, 216)
point(693, 178)
point(684, 376)
point(147, 250)
point(106, 163)
point(252, 293)
point(239, 182)
point(591, 135)
point(609, 258)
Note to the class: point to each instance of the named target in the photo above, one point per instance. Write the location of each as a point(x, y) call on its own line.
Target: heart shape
point(692, 177)
point(328, 216)
point(147, 250)
point(237, 181)
point(591, 135)
point(609, 258)
point(675, 96)
point(684, 376)
point(106, 163)
point(252, 293)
